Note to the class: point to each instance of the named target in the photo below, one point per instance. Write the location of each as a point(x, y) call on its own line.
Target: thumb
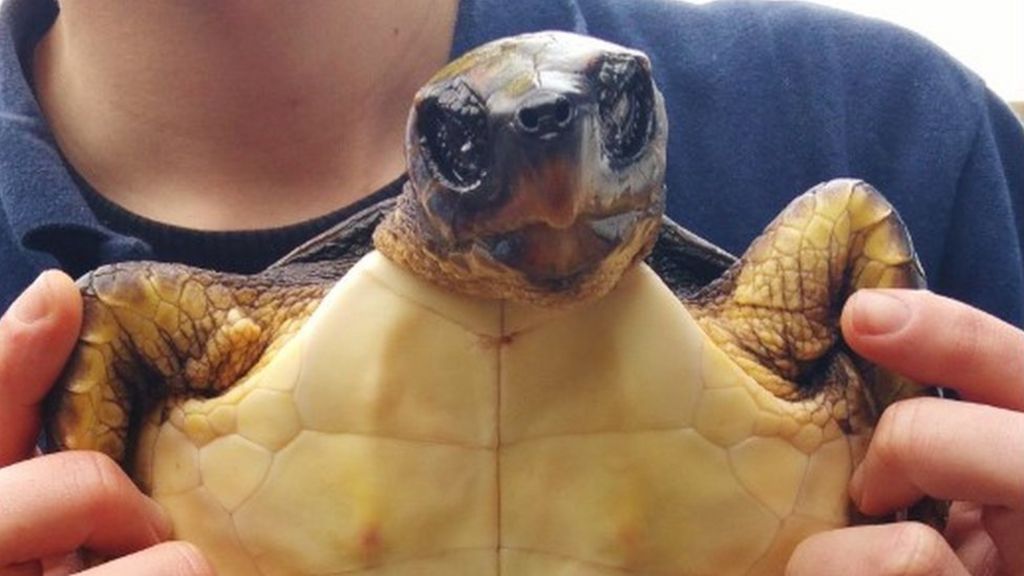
point(939, 341)
point(37, 334)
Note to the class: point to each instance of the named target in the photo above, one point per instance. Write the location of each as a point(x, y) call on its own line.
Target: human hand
point(971, 452)
point(53, 506)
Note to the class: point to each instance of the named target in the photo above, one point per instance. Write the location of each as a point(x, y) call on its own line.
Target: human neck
point(237, 113)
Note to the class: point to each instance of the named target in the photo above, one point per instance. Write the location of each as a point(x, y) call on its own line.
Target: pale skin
point(233, 114)
point(308, 119)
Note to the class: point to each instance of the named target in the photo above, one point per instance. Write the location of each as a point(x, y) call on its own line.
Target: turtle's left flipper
point(776, 311)
point(153, 330)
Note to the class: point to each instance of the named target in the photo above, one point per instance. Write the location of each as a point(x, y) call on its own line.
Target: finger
point(967, 537)
point(1006, 528)
point(36, 335)
point(25, 569)
point(906, 549)
point(167, 559)
point(63, 565)
point(55, 504)
point(944, 449)
point(939, 341)
point(963, 524)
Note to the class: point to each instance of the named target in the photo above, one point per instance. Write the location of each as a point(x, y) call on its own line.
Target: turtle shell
point(409, 430)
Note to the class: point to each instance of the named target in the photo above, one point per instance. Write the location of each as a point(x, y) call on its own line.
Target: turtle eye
point(625, 103)
point(452, 128)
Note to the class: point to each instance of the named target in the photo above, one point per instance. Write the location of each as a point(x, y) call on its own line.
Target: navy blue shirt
point(764, 101)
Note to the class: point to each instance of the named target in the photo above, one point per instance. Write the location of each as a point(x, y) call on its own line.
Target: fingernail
point(877, 313)
point(161, 522)
point(34, 303)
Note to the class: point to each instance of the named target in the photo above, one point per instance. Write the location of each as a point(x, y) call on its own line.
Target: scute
point(460, 439)
point(726, 416)
point(417, 366)
point(638, 502)
point(336, 503)
point(779, 490)
point(232, 486)
point(268, 418)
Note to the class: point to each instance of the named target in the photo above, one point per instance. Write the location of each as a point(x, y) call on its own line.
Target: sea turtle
point(503, 386)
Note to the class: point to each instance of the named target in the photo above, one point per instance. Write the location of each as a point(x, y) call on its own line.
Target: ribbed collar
point(44, 207)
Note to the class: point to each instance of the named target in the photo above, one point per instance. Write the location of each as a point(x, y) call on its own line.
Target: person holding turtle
point(263, 137)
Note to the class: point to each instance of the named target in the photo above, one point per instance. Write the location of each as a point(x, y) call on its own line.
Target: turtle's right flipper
point(153, 330)
point(776, 311)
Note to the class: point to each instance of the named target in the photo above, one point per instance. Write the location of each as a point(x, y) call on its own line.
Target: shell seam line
point(433, 311)
point(590, 563)
point(497, 438)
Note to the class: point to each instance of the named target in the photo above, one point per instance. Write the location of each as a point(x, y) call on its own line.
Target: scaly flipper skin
point(778, 308)
point(776, 311)
point(151, 331)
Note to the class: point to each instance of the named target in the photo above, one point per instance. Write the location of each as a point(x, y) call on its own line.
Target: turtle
point(518, 365)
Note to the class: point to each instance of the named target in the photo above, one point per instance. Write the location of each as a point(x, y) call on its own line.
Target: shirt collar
point(481, 21)
point(43, 206)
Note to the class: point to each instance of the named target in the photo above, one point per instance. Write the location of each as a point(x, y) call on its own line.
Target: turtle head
point(536, 167)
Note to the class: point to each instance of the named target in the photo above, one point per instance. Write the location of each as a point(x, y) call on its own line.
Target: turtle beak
point(547, 191)
point(560, 219)
point(538, 231)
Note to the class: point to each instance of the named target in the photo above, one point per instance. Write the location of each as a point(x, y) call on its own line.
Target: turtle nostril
point(529, 119)
point(545, 114)
point(563, 111)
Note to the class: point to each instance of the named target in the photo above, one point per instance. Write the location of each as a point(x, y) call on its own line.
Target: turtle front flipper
point(776, 311)
point(151, 331)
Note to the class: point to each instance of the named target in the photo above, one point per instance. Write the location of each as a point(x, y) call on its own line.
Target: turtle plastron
point(437, 434)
